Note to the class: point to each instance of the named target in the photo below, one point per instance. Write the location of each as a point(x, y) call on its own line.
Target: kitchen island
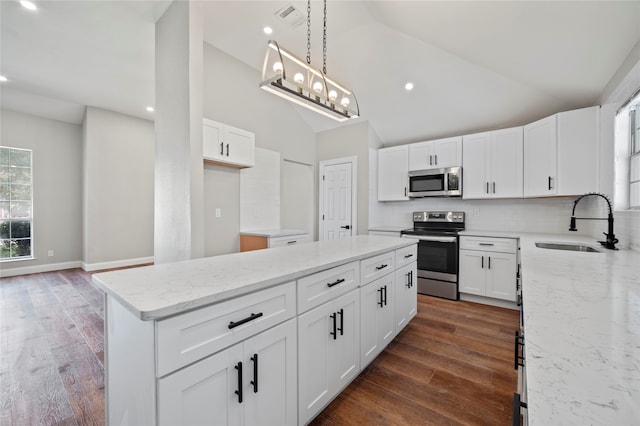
point(178, 334)
point(581, 314)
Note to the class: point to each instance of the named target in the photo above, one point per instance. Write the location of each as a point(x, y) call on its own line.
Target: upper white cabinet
point(492, 164)
point(561, 154)
point(393, 172)
point(436, 154)
point(227, 145)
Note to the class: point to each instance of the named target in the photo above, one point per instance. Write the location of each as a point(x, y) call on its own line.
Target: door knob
point(345, 227)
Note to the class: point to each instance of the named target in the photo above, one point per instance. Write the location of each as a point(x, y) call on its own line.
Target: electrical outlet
point(50, 253)
point(218, 212)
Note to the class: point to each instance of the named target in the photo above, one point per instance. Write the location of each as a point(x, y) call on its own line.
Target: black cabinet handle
point(515, 421)
point(431, 160)
point(549, 183)
point(385, 295)
point(405, 191)
point(517, 358)
point(436, 158)
point(341, 328)
point(381, 267)
point(227, 150)
point(411, 279)
point(291, 242)
point(482, 262)
point(336, 282)
point(334, 332)
point(487, 190)
point(494, 187)
point(381, 302)
point(221, 148)
point(406, 256)
point(485, 244)
point(239, 391)
point(489, 262)
point(254, 382)
point(245, 320)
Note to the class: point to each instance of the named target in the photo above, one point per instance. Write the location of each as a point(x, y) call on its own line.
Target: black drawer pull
point(334, 332)
point(340, 329)
point(227, 150)
point(406, 256)
point(336, 282)
point(381, 267)
point(239, 391)
point(291, 242)
point(244, 321)
point(254, 382)
point(385, 295)
point(221, 148)
point(485, 244)
point(381, 302)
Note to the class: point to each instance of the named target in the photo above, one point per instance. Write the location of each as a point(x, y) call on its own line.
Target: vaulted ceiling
point(475, 65)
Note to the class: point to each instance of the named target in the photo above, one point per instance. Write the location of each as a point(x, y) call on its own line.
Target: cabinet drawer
point(406, 255)
point(289, 240)
point(321, 287)
point(503, 245)
point(186, 338)
point(376, 267)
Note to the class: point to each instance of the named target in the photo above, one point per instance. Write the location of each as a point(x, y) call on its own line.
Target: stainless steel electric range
point(437, 235)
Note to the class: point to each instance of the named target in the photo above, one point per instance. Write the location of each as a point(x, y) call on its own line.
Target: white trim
point(50, 267)
point(90, 267)
point(489, 301)
point(354, 192)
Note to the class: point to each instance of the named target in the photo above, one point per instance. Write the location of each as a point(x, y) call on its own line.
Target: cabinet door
point(239, 146)
point(475, 162)
point(540, 141)
point(270, 382)
point(393, 164)
point(447, 152)
point(501, 275)
point(212, 140)
point(203, 393)
point(472, 277)
point(406, 302)
point(420, 155)
point(345, 355)
point(377, 317)
point(506, 163)
point(578, 151)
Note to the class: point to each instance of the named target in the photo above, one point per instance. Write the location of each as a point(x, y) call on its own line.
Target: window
point(634, 164)
point(15, 204)
point(627, 155)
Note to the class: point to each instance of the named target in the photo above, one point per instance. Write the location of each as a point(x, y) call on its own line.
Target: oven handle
point(431, 238)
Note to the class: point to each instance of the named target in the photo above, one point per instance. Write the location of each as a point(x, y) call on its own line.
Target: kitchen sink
point(568, 246)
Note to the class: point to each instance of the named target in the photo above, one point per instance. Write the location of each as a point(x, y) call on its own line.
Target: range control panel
point(457, 217)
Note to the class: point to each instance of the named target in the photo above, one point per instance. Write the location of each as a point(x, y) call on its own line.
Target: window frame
point(29, 219)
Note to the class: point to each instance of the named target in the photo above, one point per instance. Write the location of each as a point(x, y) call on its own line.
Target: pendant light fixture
point(289, 77)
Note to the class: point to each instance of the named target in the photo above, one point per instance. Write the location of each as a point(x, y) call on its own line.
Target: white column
point(179, 211)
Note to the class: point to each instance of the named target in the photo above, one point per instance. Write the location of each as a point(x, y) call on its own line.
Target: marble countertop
point(582, 333)
point(273, 233)
point(158, 291)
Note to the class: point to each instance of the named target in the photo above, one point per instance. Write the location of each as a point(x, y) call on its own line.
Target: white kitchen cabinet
point(227, 145)
point(492, 164)
point(436, 154)
point(328, 352)
point(561, 154)
point(393, 171)
point(488, 267)
point(253, 382)
point(406, 295)
point(377, 317)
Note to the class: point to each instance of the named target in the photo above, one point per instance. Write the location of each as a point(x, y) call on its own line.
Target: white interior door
point(337, 204)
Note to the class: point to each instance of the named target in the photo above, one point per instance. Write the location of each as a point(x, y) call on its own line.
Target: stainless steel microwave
point(436, 182)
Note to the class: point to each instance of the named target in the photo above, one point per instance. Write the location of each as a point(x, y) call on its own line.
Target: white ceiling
point(475, 65)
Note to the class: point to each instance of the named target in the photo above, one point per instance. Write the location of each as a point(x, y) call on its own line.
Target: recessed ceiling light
point(408, 87)
point(150, 109)
point(28, 5)
point(3, 78)
point(267, 30)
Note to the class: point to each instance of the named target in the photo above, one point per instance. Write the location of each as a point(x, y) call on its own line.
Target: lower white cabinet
point(377, 317)
point(406, 295)
point(488, 267)
point(252, 382)
point(328, 352)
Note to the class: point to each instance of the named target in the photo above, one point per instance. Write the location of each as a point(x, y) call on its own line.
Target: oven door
point(437, 257)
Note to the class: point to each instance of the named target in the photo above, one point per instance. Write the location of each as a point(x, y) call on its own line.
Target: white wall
point(57, 191)
point(118, 182)
point(232, 96)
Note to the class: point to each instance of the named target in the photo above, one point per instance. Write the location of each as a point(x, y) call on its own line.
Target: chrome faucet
point(611, 241)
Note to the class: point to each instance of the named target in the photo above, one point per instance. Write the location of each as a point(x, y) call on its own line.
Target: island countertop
point(158, 291)
point(582, 333)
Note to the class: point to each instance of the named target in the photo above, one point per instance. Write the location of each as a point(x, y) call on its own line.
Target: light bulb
point(28, 5)
point(277, 67)
point(344, 102)
point(408, 87)
point(298, 78)
point(267, 30)
point(333, 95)
point(317, 87)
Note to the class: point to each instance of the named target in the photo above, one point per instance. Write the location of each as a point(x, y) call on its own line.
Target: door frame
point(354, 192)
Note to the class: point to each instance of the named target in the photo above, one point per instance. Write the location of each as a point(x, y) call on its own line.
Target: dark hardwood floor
point(451, 365)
